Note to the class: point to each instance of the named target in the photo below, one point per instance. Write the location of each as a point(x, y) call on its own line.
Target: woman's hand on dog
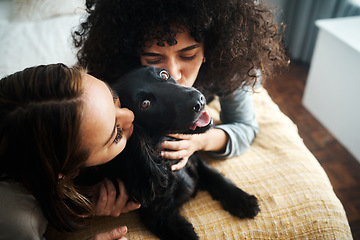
point(182, 149)
point(108, 204)
point(190, 143)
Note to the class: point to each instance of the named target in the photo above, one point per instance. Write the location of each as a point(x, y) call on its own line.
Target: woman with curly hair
point(221, 47)
point(54, 122)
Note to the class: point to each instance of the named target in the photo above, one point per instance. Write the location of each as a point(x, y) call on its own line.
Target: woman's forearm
point(214, 140)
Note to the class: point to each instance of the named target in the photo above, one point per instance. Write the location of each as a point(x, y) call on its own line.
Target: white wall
point(332, 92)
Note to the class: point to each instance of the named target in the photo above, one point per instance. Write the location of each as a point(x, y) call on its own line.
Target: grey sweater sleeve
point(20, 214)
point(238, 121)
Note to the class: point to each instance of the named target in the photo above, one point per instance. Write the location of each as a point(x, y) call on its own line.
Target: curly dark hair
point(239, 38)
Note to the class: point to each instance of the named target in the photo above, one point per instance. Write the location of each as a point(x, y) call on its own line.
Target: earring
point(204, 60)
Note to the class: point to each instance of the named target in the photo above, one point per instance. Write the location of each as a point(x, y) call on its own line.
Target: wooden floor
point(342, 168)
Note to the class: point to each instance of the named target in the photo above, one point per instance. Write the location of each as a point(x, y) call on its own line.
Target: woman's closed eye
point(153, 61)
point(118, 135)
point(188, 57)
point(114, 95)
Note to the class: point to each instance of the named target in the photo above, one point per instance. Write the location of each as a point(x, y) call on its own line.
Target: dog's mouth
point(203, 121)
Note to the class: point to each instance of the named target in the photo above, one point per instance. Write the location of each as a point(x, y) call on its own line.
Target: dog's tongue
point(202, 121)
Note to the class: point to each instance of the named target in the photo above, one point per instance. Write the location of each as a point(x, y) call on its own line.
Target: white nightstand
point(332, 91)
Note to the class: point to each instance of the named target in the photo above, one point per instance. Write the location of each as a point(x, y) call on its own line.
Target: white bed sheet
point(28, 43)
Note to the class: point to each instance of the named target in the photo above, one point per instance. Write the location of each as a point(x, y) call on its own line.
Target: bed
point(295, 195)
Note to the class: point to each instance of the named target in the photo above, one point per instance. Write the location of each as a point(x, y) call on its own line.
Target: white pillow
point(42, 9)
point(26, 44)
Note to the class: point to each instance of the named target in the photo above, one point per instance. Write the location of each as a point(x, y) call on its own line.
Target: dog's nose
point(199, 106)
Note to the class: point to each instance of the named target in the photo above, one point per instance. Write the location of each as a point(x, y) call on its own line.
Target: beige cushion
point(295, 196)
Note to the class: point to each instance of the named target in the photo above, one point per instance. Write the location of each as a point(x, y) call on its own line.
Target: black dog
point(161, 106)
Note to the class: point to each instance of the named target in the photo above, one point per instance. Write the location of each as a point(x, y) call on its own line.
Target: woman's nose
point(125, 117)
point(174, 69)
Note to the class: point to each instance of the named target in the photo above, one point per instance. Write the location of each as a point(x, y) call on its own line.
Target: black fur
point(147, 176)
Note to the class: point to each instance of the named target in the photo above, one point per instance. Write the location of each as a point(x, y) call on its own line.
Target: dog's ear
point(142, 169)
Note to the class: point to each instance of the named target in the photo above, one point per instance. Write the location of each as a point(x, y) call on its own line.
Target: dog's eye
point(164, 74)
point(145, 104)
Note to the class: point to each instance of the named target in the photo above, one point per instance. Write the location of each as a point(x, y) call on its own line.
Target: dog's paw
point(241, 204)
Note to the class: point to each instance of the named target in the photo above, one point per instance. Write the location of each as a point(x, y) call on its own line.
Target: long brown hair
point(40, 116)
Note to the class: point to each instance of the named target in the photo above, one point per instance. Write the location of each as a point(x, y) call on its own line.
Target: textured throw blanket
point(295, 195)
